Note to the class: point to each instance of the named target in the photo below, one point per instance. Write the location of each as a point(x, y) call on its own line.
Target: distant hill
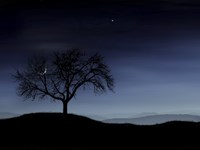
point(4, 115)
point(55, 131)
point(155, 119)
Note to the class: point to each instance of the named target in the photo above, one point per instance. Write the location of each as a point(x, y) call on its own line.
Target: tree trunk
point(65, 111)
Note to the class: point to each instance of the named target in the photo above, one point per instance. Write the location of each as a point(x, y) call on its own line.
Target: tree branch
point(55, 86)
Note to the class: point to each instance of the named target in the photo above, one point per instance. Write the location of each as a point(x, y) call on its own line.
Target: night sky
point(152, 48)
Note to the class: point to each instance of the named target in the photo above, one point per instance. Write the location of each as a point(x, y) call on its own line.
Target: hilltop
point(41, 131)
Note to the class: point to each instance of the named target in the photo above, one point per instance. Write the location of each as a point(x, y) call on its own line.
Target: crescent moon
point(45, 70)
point(42, 73)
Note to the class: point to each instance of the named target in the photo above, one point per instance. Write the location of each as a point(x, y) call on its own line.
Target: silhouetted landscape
point(57, 131)
point(141, 56)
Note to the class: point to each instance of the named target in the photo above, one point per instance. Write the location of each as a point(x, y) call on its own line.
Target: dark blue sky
point(152, 48)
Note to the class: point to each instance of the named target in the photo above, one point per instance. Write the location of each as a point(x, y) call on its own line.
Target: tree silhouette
point(61, 77)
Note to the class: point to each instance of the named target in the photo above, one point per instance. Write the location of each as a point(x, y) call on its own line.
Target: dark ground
point(49, 131)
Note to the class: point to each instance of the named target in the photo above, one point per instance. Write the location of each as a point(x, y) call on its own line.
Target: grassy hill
point(42, 131)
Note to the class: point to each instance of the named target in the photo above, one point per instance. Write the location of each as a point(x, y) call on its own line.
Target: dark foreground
point(46, 131)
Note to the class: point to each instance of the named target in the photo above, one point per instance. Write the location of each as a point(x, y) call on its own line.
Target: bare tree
point(61, 77)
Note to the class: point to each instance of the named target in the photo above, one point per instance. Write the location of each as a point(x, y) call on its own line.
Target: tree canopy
point(62, 76)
